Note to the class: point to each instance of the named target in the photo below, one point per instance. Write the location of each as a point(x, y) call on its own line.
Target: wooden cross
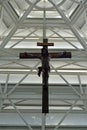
point(45, 68)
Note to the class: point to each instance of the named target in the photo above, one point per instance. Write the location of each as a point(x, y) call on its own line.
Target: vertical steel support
point(43, 121)
point(1, 95)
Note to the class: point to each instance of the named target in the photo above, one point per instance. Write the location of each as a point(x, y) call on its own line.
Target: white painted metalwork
point(43, 121)
point(17, 25)
point(74, 30)
point(65, 115)
point(23, 24)
point(21, 81)
point(29, 127)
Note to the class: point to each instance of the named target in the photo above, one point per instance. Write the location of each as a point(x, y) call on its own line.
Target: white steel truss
point(22, 23)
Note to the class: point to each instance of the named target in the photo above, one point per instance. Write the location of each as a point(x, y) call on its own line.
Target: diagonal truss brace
point(66, 114)
point(13, 89)
point(64, 39)
point(10, 12)
point(77, 93)
point(21, 116)
point(23, 38)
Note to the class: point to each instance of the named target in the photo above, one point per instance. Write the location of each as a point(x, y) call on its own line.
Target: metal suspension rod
point(44, 22)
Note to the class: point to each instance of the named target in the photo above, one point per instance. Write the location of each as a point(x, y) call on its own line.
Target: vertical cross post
point(45, 68)
point(45, 76)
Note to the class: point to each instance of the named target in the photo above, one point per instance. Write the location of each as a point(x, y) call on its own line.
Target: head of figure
point(44, 51)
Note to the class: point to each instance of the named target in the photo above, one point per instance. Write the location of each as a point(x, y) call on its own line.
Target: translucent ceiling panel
point(35, 14)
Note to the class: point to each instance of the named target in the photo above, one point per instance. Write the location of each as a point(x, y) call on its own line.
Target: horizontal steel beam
point(32, 110)
point(47, 127)
point(37, 97)
point(35, 119)
point(21, 70)
point(38, 22)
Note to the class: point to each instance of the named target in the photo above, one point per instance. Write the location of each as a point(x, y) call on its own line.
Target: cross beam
point(45, 68)
point(45, 43)
point(27, 55)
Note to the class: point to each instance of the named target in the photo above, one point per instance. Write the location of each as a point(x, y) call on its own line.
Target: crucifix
point(44, 56)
